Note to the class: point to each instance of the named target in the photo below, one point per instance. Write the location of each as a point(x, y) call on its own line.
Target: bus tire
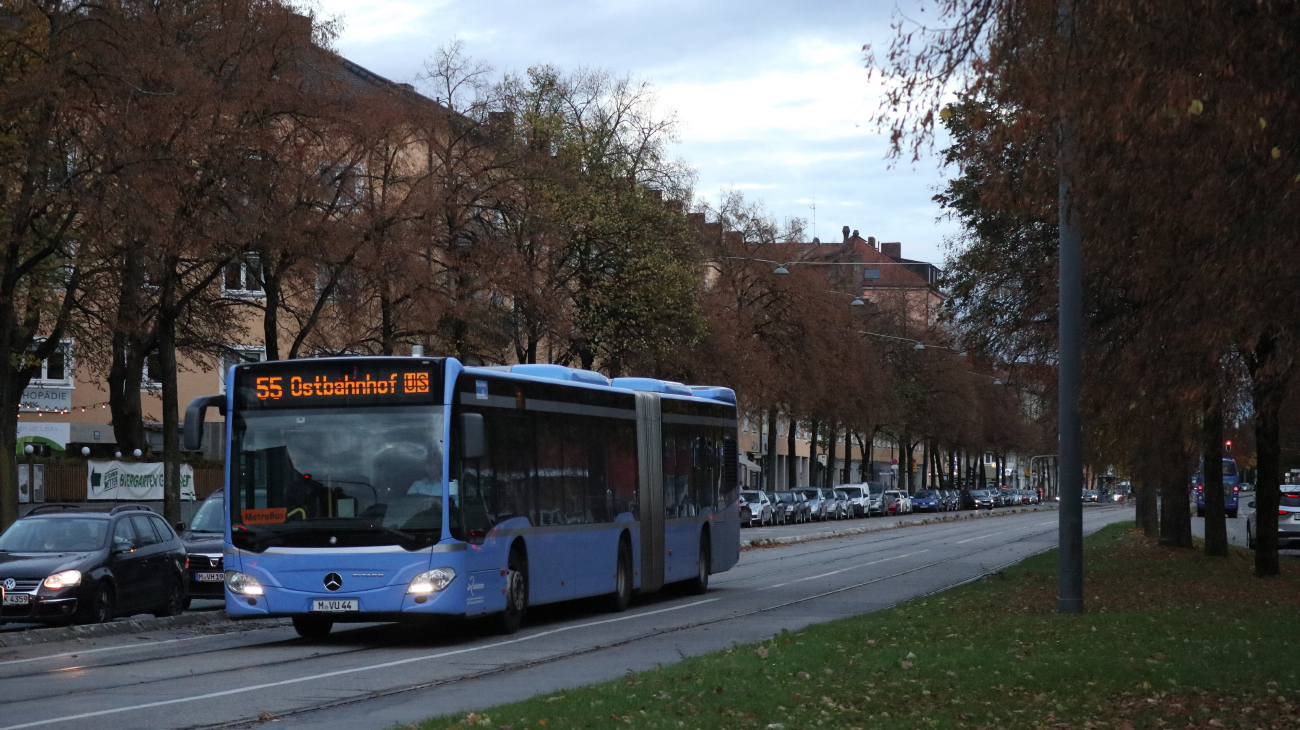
point(312, 627)
point(509, 620)
point(1232, 513)
point(622, 595)
point(699, 585)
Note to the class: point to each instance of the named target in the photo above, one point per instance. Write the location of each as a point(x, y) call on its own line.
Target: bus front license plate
point(335, 606)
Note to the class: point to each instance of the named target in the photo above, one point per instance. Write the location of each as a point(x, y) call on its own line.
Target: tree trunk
point(848, 457)
point(170, 415)
point(8, 451)
point(1267, 395)
point(125, 371)
point(130, 348)
point(1216, 523)
point(791, 459)
point(386, 338)
point(905, 461)
point(272, 287)
point(833, 441)
point(814, 473)
point(771, 450)
point(1175, 512)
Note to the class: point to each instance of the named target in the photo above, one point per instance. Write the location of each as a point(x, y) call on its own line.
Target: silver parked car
point(876, 498)
point(1288, 519)
point(756, 508)
point(820, 501)
point(845, 505)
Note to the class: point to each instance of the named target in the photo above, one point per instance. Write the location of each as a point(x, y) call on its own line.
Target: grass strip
point(1172, 639)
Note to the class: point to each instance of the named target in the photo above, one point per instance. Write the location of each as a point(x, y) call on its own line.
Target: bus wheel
point(622, 594)
point(312, 627)
point(509, 620)
point(700, 585)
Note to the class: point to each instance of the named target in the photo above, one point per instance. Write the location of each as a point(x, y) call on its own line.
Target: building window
point(870, 274)
point(243, 277)
point(56, 370)
point(151, 376)
point(236, 355)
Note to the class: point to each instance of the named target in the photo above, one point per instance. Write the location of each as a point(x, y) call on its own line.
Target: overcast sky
point(772, 96)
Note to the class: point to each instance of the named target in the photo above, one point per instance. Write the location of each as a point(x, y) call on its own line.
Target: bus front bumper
point(379, 604)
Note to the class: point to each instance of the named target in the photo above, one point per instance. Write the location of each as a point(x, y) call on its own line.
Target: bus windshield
point(337, 477)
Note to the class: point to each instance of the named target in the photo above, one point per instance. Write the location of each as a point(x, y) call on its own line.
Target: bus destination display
point(286, 386)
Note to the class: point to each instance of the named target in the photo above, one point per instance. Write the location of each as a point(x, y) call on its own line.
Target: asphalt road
point(376, 676)
point(1236, 527)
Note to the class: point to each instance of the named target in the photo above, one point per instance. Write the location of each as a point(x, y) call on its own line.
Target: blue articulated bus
point(390, 488)
point(1231, 489)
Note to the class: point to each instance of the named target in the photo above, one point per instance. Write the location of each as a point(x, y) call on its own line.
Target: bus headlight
point(431, 581)
point(242, 583)
point(64, 579)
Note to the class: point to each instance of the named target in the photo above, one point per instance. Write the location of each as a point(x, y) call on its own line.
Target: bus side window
point(623, 473)
point(598, 494)
point(512, 447)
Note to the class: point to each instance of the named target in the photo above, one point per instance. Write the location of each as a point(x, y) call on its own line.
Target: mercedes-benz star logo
point(10, 584)
point(333, 582)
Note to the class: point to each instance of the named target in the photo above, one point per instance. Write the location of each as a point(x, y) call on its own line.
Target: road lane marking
point(109, 648)
point(981, 537)
point(841, 570)
point(352, 670)
point(1049, 522)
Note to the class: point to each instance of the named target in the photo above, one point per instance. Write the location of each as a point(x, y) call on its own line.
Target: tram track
point(872, 549)
point(520, 666)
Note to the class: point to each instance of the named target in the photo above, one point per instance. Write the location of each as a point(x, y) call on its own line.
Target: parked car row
point(64, 563)
point(806, 504)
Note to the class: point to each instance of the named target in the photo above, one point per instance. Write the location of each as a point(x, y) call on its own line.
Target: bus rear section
point(375, 489)
point(1231, 489)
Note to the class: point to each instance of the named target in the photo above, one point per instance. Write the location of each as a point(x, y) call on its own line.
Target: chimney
point(893, 250)
point(695, 219)
point(872, 240)
point(855, 233)
point(846, 233)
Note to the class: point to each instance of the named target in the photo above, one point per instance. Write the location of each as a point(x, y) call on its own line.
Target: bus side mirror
point(472, 444)
point(194, 415)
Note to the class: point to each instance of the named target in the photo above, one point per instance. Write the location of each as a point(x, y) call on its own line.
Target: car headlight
point(63, 579)
point(431, 581)
point(242, 583)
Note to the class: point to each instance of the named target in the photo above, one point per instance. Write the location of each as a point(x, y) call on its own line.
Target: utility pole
point(1070, 357)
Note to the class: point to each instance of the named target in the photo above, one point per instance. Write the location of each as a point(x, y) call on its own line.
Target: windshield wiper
point(403, 536)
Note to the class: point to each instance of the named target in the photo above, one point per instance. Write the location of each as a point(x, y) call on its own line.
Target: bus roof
point(714, 393)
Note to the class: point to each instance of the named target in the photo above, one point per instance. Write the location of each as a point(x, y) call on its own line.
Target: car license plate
point(17, 599)
point(209, 577)
point(336, 605)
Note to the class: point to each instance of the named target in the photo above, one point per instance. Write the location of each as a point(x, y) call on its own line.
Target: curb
point(763, 542)
point(113, 628)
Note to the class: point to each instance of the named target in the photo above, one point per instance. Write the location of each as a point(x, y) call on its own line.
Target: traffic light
point(1227, 446)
